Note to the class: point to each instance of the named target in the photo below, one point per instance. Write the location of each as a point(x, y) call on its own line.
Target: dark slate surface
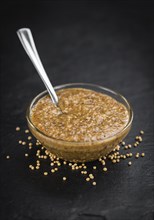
point(110, 44)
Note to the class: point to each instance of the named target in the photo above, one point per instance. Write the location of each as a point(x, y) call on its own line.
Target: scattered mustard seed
point(52, 170)
point(45, 173)
point(129, 163)
point(105, 169)
point(64, 178)
point(7, 157)
point(17, 128)
point(137, 155)
point(141, 132)
point(94, 183)
point(123, 143)
point(26, 131)
point(142, 154)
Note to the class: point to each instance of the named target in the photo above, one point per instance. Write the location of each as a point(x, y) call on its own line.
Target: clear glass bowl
point(81, 151)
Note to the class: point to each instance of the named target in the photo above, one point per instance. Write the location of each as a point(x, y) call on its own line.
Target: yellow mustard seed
point(129, 146)
point(52, 170)
point(20, 142)
point(105, 169)
point(26, 155)
point(137, 156)
point(126, 147)
point(140, 139)
point(7, 157)
point(45, 173)
point(94, 183)
point(23, 143)
point(130, 154)
point(94, 167)
point(103, 162)
point(142, 154)
point(129, 163)
point(29, 138)
point(26, 131)
point(141, 132)
point(91, 176)
point(87, 179)
point(17, 128)
point(123, 143)
point(64, 178)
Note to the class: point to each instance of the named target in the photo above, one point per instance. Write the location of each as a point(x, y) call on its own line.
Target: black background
point(109, 43)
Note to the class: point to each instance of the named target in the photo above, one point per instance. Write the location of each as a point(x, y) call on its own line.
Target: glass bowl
point(81, 151)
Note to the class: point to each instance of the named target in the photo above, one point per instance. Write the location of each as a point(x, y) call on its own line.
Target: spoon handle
point(28, 44)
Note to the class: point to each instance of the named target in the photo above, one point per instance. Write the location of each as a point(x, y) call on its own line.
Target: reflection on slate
point(110, 44)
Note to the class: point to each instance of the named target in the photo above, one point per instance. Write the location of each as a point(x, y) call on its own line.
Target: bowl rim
point(129, 108)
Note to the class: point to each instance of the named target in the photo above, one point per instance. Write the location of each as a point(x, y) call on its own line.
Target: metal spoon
point(28, 44)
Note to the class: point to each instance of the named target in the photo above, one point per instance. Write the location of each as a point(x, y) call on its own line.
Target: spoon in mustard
point(28, 44)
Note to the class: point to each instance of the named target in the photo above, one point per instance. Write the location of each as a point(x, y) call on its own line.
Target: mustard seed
point(26, 131)
point(130, 154)
point(142, 154)
point(129, 146)
point(7, 157)
point(26, 155)
point(141, 132)
point(129, 163)
point(17, 128)
point(45, 173)
point(105, 169)
point(20, 142)
point(123, 143)
point(29, 138)
point(87, 179)
point(94, 167)
point(94, 183)
point(64, 178)
point(137, 156)
point(91, 176)
point(23, 143)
